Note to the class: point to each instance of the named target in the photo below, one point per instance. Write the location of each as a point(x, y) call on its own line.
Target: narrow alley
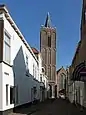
point(52, 107)
point(59, 107)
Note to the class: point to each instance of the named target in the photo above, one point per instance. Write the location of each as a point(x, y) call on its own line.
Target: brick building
point(48, 51)
point(61, 81)
point(77, 70)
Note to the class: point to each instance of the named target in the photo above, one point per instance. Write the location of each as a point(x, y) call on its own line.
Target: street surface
point(58, 107)
point(51, 107)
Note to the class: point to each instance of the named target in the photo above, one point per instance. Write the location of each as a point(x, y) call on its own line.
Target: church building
point(48, 51)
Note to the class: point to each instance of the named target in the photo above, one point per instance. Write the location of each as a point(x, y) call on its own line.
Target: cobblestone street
point(52, 107)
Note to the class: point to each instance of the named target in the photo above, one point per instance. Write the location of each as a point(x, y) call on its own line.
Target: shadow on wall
point(19, 69)
point(24, 84)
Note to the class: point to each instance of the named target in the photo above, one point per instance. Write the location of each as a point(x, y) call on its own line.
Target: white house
point(43, 78)
point(19, 66)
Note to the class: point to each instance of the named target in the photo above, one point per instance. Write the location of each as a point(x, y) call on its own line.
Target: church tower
point(48, 52)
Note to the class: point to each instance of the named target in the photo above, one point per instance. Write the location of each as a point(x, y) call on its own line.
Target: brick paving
point(52, 107)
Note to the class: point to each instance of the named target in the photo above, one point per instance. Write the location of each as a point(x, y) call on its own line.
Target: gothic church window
point(49, 41)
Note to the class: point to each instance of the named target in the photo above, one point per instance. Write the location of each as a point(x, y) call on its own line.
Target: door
point(55, 91)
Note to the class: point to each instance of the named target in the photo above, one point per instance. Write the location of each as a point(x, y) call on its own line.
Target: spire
point(48, 21)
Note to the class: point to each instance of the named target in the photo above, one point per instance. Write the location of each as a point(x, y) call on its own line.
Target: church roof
point(48, 21)
point(59, 69)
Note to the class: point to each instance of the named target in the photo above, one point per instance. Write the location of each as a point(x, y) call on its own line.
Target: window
point(41, 79)
point(6, 94)
point(35, 90)
point(11, 95)
point(33, 70)
point(43, 70)
point(49, 41)
point(26, 61)
point(38, 73)
point(16, 94)
point(7, 48)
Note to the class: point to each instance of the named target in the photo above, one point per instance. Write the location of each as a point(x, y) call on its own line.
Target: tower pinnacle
point(48, 21)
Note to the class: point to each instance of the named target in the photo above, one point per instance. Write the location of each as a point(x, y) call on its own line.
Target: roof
point(35, 50)
point(59, 70)
point(2, 5)
point(48, 21)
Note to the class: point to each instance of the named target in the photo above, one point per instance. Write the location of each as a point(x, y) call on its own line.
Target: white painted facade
point(43, 78)
point(77, 92)
point(23, 71)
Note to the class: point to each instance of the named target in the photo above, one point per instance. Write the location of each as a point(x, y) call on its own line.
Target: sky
point(29, 15)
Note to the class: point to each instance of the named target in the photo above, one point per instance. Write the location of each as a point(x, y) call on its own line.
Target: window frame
point(6, 34)
point(13, 95)
point(7, 92)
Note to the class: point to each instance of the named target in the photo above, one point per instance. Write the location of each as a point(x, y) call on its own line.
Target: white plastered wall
point(1, 87)
point(24, 83)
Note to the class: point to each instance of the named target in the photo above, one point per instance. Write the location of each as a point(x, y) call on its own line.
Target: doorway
point(55, 91)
